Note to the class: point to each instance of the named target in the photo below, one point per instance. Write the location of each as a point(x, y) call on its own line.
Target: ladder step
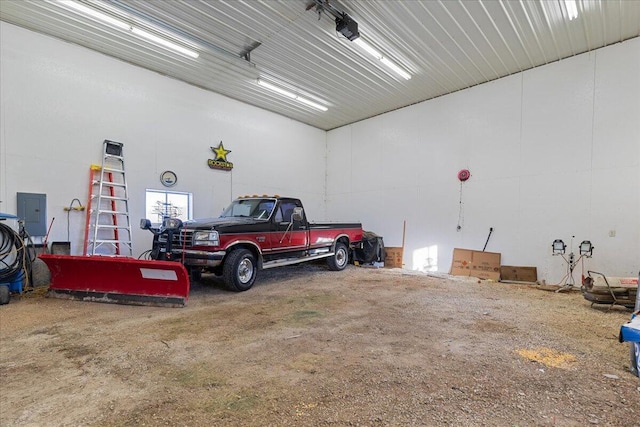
point(122, 242)
point(112, 170)
point(107, 212)
point(114, 243)
point(109, 183)
point(112, 184)
point(122, 199)
point(114, 227)
point(100, 211)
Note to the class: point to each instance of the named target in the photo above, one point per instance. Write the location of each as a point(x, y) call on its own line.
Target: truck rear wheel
point(239, 270)
point(340, 259)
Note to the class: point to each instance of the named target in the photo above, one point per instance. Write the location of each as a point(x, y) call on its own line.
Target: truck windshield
point(250, 208)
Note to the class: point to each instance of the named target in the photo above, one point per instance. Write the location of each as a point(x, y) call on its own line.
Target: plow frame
point(118, 280)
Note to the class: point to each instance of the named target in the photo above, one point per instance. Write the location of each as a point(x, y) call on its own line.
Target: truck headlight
point(206, 238)
point(171, 223)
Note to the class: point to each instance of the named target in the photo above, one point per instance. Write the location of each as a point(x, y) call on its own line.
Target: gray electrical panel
point(32, 209)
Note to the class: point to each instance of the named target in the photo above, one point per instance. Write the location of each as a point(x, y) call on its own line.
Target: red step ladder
point(108, 225)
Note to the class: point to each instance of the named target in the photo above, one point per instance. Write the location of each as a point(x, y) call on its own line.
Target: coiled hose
point(14, 255)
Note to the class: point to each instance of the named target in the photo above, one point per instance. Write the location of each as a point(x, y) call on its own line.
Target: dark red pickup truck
point(253, 233)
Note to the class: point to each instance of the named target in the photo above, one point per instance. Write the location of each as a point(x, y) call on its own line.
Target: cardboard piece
point(393, 257)
point(461, 265)
point(483, 265)
point(518, 274)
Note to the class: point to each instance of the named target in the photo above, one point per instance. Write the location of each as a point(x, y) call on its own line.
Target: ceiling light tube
point(311, 104)
point(572, 9)
point(399, 71)
point(291, 95)
point(386, 61)
point(96, 14)
point(276, 89)
point(164, 42)
point(367, 47)
point(77, 7)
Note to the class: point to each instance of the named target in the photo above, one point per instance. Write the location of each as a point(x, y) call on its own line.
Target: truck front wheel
point(239, 270)
point(340, 259)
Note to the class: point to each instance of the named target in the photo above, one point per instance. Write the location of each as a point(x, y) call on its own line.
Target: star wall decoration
point(220, 161)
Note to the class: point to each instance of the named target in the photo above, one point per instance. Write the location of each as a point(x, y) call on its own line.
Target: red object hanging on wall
point(464, 175)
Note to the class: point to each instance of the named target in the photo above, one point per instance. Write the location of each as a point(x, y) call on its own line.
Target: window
point(284, 211)
point(255, 208)
point(172, 204)
point(426, 259)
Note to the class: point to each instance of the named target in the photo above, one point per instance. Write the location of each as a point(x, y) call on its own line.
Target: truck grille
point(178, 239)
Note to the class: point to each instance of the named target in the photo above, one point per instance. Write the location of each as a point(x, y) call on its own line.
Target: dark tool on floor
point(488, 237)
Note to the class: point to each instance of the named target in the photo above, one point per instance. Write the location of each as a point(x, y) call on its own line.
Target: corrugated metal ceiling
point(445, 45)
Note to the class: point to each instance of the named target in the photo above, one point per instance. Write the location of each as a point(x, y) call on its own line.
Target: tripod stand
point(586, 251)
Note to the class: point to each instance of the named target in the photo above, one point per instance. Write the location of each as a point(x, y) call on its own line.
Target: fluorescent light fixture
point(291, 95)
point(364, 45)
point(312, 104)
point(164, 42)
point(386, 61)
point(77, 7)
point(276, 89)
point(399, 71)
point(108, 19)
point(572, 9)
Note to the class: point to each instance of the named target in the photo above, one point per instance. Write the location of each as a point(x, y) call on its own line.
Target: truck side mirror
point(145, 224)
point(297, 214)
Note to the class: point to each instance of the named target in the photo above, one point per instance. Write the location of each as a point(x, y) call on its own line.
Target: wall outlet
point(612, 233)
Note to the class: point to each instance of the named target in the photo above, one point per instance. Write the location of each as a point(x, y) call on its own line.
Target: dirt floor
point(312, 347)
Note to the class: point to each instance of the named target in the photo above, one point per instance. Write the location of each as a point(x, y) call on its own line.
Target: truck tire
point(4, 294)
point(239, 270)
point(41, 276)
point(340, 258)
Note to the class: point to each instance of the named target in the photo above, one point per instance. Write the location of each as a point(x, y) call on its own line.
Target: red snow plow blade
point(118, 280)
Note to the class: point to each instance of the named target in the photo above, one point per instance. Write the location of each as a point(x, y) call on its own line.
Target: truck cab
point(251, 234)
